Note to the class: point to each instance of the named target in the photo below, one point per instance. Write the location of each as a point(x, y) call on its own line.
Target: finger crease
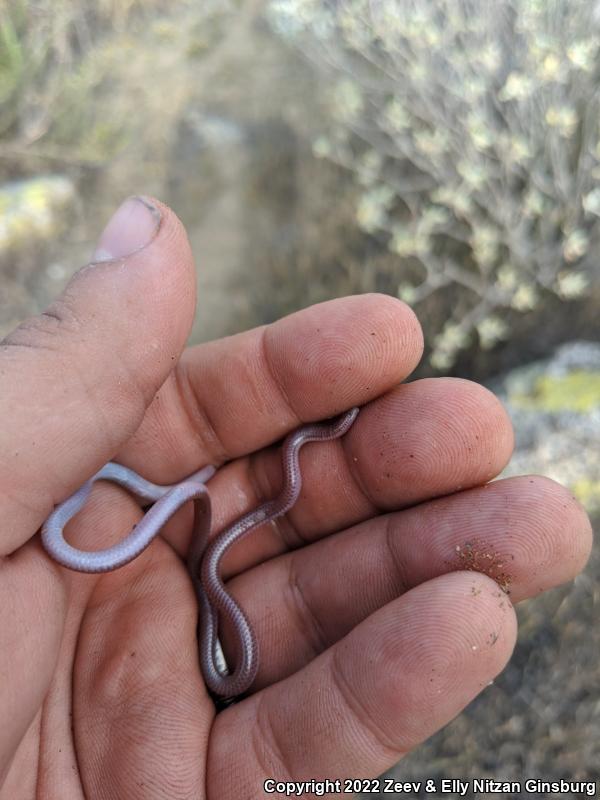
point(399, 565)
point(359, 711)
point(268, 753)
point(99, 408)
point(46, 325)
point(276, 380)
point(309, 623)
point(262, 490)
point(356, 480)
point(288, 533)
point(199, 419)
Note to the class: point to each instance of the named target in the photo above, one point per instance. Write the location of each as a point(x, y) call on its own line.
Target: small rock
point(555, 409)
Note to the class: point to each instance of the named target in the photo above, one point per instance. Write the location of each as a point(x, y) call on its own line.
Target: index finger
point(235, 395)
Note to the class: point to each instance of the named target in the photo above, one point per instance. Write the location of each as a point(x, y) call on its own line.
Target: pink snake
point(204, 558)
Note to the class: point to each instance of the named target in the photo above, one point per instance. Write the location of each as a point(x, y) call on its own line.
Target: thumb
point(75, 381)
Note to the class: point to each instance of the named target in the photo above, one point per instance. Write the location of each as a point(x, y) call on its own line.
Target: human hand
point(372, 634)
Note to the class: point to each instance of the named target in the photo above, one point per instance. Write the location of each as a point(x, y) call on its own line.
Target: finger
point(359, 707)
point(230, 397)
point(76, 380)
point(418, 441)
point(527, 533)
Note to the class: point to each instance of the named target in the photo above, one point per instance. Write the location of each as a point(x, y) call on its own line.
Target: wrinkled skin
point(372, 635)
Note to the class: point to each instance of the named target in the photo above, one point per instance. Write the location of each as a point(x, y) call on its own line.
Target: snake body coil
point(215, 603)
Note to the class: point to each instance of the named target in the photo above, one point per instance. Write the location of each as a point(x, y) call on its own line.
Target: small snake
point(203, 559)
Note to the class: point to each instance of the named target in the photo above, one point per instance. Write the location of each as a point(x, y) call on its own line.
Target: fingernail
point(132, 226)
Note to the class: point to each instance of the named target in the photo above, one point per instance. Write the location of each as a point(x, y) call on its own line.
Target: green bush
point(78, 81)
point(473, 131)
point(48, 66)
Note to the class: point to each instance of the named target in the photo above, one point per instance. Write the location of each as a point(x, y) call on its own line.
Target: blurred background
point(443, 151)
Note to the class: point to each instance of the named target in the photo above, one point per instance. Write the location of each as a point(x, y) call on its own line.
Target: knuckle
point(46, 331)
